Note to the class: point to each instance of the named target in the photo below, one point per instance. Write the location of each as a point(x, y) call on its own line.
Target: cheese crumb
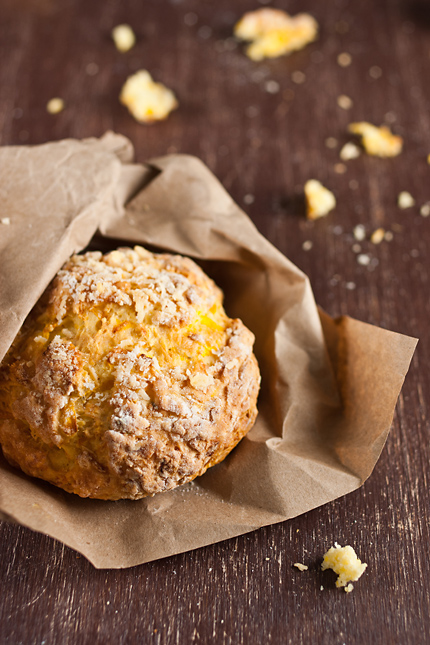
point(298, 77)
point(377, 236)
point(340, 168)
point(319, 200)
point(363, 259)
point(359, 232)
point(344, 102)
point(405, 200)
point(375, 72)
point(274, 33)
point(123, 37)
point(428, 159)
point(146, 100)
point(349, 151)
point(349, 588)
point(300, 566)
point(344, 59)
point(55, 106)
point(380, 142)
point(5, 221)
point(425, 209)
point(331, 142)
point(272, 87)
point(344, 562)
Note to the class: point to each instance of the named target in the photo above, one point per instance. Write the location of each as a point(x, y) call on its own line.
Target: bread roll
point(127, 378)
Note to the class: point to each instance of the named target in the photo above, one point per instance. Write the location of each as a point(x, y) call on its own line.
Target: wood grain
point(263, 146)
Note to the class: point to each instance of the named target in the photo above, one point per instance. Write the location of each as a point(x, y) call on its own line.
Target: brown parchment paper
point(329, 387)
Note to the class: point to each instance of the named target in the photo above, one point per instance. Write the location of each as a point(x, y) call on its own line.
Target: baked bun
point(127, 378)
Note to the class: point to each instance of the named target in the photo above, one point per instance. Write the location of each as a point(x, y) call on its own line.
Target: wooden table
point(263, 135)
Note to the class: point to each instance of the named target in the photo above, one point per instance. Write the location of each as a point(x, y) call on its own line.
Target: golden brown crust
point(128, 378)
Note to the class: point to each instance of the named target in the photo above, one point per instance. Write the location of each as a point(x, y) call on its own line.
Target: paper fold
point(329, 387)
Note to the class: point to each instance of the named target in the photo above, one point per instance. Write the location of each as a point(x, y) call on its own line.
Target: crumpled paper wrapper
point(329, 387)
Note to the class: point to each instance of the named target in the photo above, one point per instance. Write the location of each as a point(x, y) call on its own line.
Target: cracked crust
point(127, 379)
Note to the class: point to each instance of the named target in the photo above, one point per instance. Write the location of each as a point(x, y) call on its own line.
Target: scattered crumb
point(353, 184)
point(274, 33)
point(300, 566)
point(340, 168)
point(344, 59)
point(344, 102)
point(272, 87)
point(123, 37)
point(377, 236)
point(331, 142)
point(146, 100)
point(380, 142)
point(356, 248)
point(5, 221)
point(425, 209)
point(414, 253)
point(319, 200)
point(359, 232)
point(405, 200)
point(55, 106)
point(388, 236)
point(267, 558)
point(307, 245)
point(375, 72)
point(363, 259)
point(298, 77)
point(344, 562)
point(349, 151)
point(350, 286)
point(321, 588)
point(249, 199)
point(390, 117)
point(337, 230)
point(349, 588)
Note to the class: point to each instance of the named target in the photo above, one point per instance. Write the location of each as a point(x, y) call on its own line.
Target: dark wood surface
point(263, 146)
